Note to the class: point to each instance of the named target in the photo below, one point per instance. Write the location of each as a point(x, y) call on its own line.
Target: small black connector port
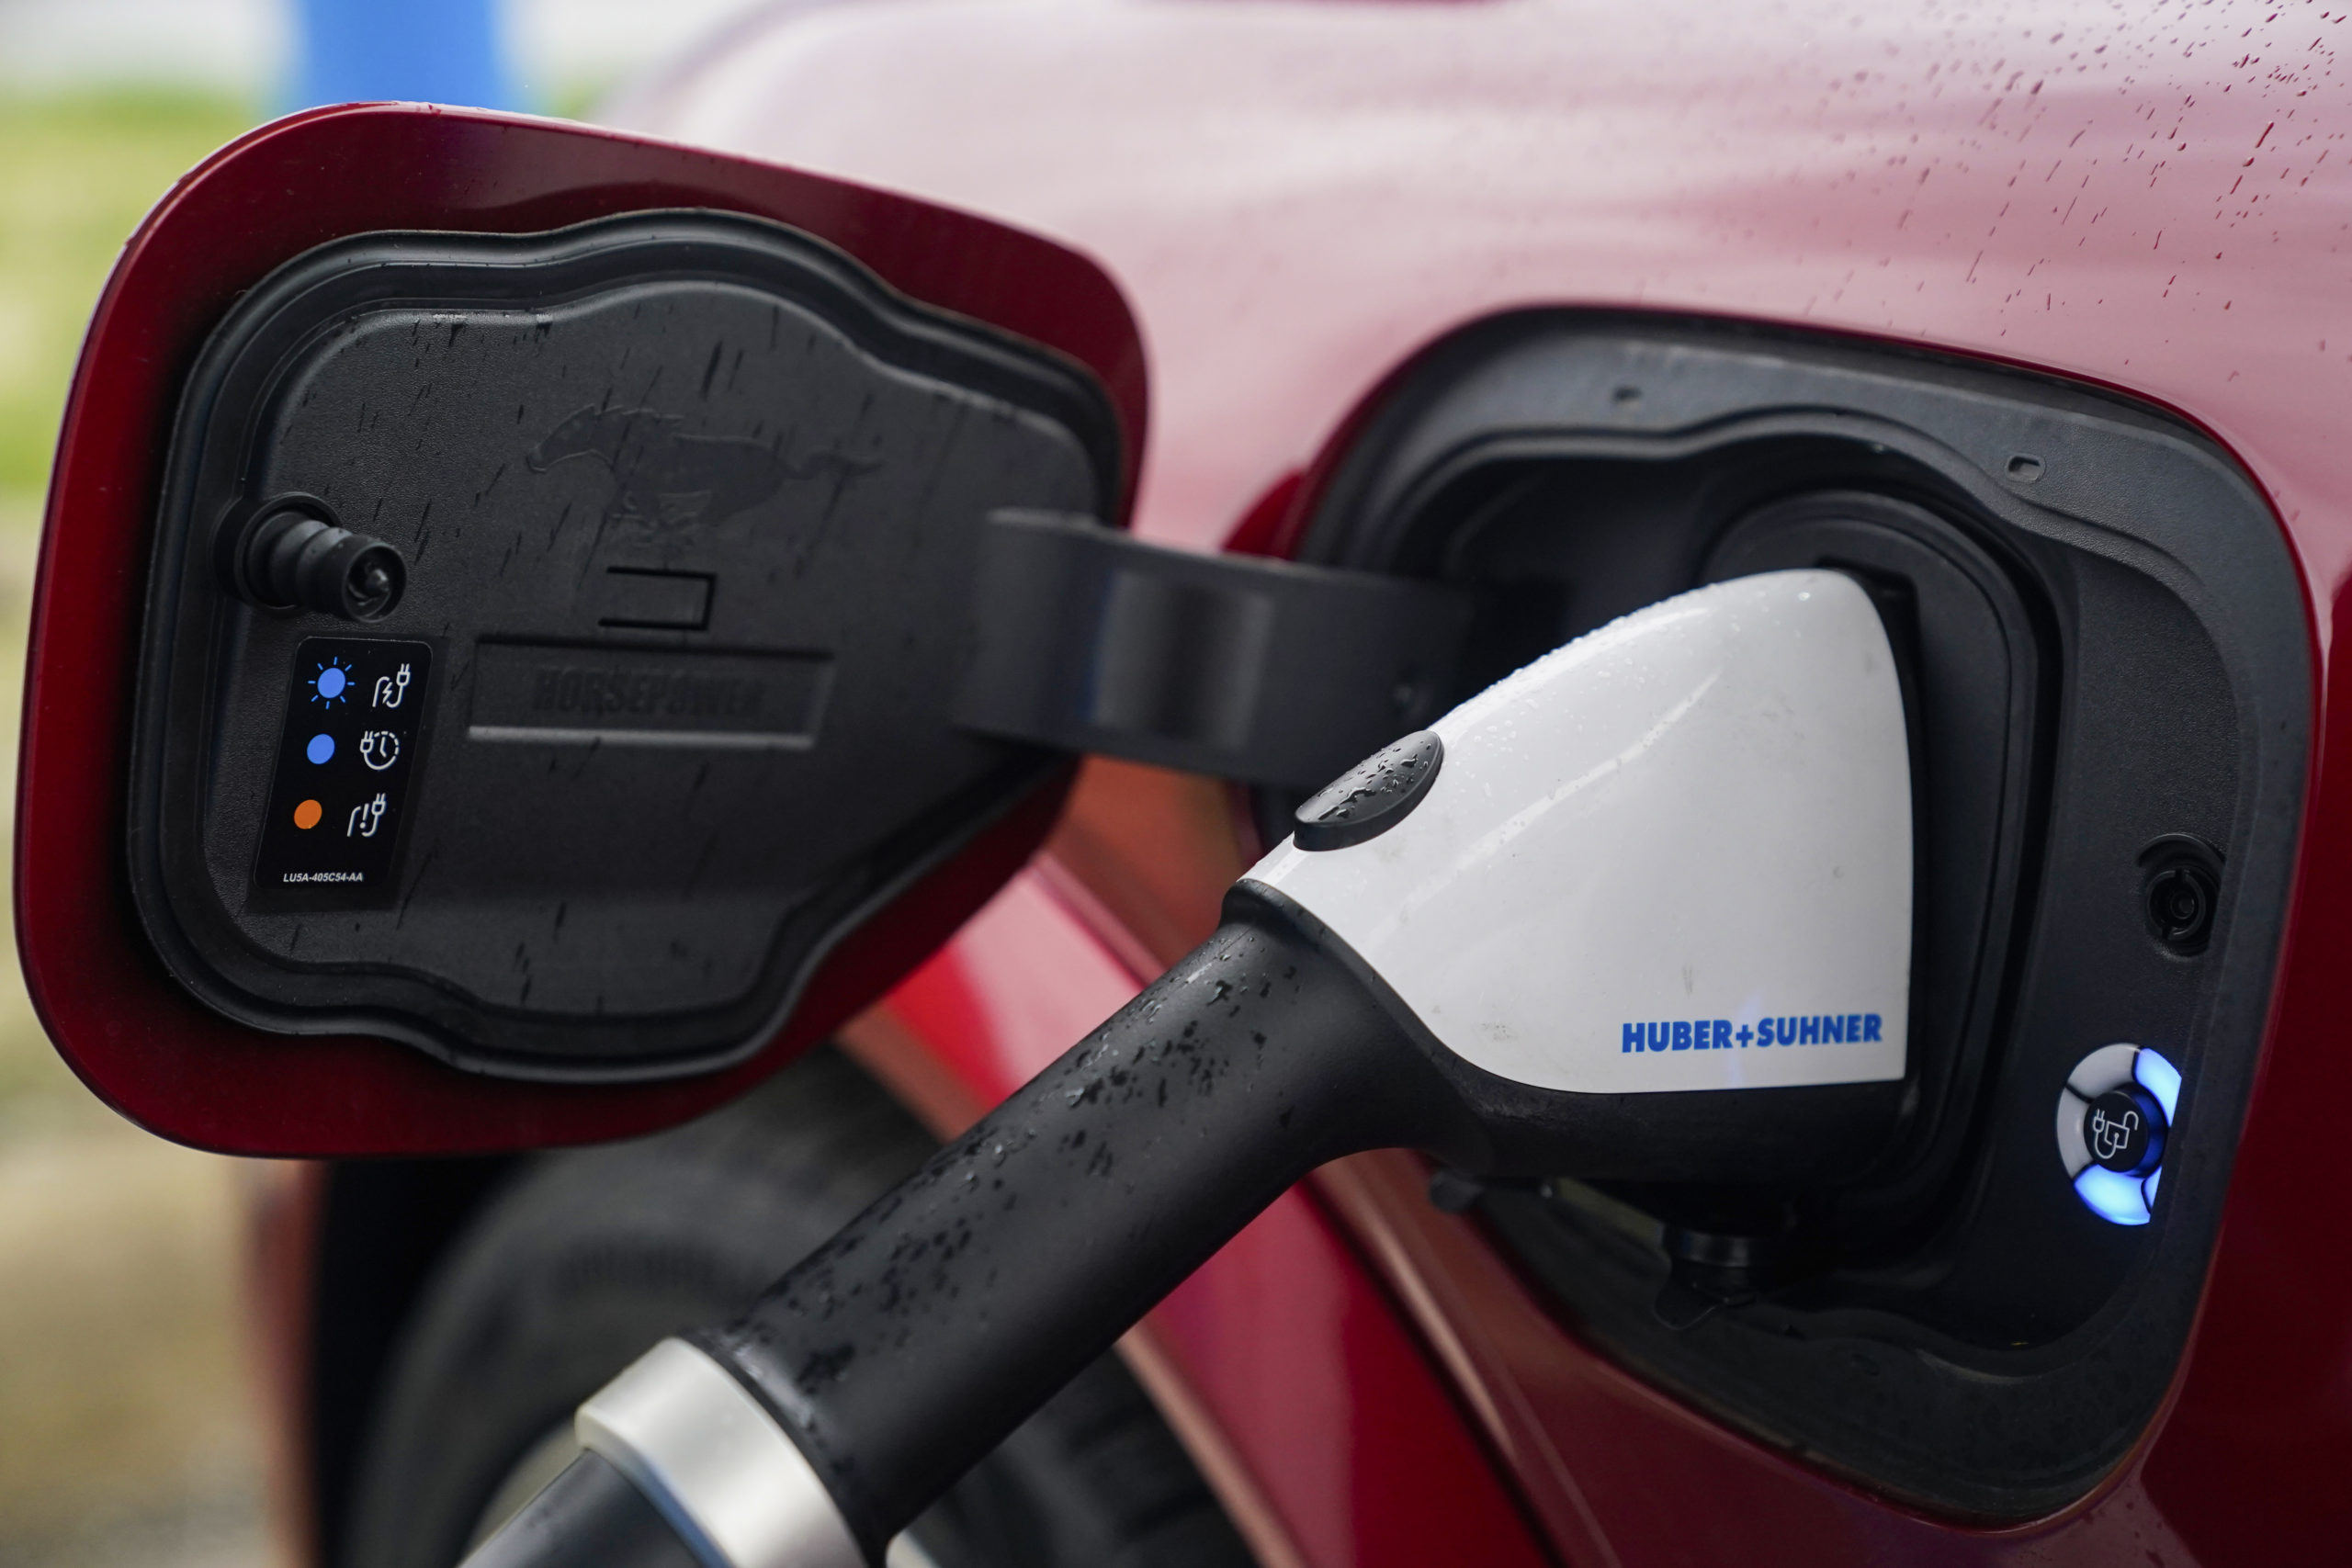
point(2180, 889)
point(290, 554)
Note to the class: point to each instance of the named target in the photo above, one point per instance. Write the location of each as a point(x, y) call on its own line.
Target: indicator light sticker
point(355, 721)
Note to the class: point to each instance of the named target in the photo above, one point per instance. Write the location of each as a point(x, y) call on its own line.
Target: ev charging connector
point(1640, 911)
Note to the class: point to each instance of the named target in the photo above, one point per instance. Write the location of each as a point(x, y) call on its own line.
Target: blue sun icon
point(332, 684)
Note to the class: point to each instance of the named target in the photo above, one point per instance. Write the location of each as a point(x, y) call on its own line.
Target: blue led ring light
point(2124, 1099)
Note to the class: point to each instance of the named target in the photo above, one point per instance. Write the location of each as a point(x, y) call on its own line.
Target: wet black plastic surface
point(690, 506)
point(903, 1349)
point(1371, 797)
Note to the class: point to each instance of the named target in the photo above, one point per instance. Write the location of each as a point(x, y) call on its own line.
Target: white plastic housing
point(1651, 852)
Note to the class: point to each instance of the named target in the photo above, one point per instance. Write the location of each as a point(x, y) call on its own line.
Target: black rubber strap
point(1261, 670)
point(902, 1352)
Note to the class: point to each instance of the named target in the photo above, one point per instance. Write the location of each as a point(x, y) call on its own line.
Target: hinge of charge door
point(1260, 671)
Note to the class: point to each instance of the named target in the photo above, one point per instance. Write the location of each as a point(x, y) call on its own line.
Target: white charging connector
point(1675, 854)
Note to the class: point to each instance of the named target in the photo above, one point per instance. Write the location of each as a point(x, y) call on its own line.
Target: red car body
point(1296, 200)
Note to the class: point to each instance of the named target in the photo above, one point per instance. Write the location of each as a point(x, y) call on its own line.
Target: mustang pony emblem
point(662, 476)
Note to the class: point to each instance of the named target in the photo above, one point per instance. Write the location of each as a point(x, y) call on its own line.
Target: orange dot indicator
point(307, 814)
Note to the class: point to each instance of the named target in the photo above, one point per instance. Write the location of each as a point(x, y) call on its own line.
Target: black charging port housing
point(2104, 641)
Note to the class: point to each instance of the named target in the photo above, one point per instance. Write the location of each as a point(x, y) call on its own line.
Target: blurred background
point(127, 1413)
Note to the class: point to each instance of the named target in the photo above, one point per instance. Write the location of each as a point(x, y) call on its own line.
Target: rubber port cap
point(1373, 797)
point(294, 558)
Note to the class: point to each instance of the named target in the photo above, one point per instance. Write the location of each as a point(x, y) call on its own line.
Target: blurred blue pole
point(444, 52)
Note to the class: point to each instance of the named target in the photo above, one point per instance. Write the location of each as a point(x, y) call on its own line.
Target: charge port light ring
point(2112, 1087)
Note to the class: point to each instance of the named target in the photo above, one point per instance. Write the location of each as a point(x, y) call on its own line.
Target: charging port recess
point(2103, 648)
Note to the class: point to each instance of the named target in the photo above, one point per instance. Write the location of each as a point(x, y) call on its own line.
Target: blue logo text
point(1717, 1034)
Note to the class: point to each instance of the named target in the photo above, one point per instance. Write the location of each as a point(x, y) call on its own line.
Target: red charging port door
point(648, 777)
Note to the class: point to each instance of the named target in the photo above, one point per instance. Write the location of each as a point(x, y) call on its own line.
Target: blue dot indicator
point(321, 747)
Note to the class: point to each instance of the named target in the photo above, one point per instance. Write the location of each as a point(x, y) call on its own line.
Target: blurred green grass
point(77, 172)
point(127, 1427)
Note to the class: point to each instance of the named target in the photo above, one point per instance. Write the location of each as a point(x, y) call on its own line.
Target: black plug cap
point(294, 557)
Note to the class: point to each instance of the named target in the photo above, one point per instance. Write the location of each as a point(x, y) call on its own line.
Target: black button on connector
point(292, 556)
point(2124, 1130)
point(1373, 797)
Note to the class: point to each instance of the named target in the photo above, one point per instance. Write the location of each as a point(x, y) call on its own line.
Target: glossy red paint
point(1629, 1476)
point(286, 1205)
point(2151, 198)
point(131, 1033)
point(1309, 1385)
point(2256, 1446)
point(1296, 198)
